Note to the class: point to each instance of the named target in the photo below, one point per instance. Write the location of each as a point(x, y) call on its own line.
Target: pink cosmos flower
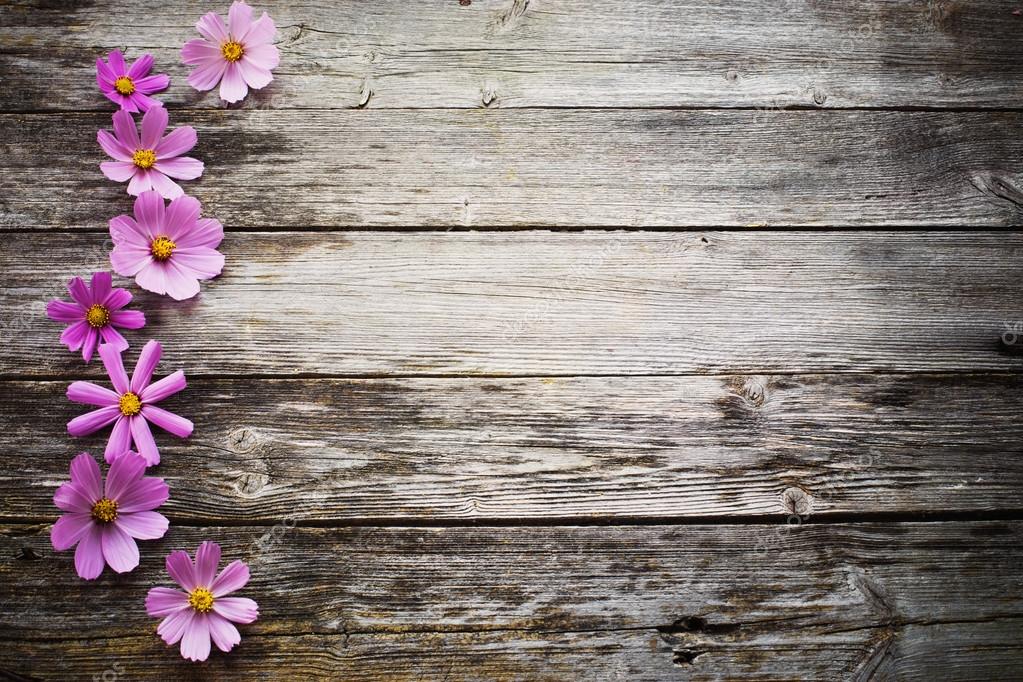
point(105, 520)
point(95, 313)
point(130, 86)
point(239, 56)
point(202, 611)
point(167, 249)
point(132, 407)
point(149, 162)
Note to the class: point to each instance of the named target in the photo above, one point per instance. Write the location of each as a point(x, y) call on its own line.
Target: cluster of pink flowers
point(168, 249)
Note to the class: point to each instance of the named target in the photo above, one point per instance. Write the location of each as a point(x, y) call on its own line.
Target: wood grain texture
point(564, 53)
point(492, 169)
point(463, 450)
point(895, 601)
point(541, 303)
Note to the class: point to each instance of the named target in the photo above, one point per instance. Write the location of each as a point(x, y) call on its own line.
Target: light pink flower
point(132, 407)
point(105, 520)
point(149, 162)
point(168, 249)
point(202, 611)
point(130, 86)
point(95, 313)
point(239, 56)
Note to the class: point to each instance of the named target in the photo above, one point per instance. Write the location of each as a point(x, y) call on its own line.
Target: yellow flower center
point(105, 510)
point(162, 248)
point(201, 599)
point(144, 158)
point(124, 85)
point(129, 404)
point(232, 51)
point(97, 316)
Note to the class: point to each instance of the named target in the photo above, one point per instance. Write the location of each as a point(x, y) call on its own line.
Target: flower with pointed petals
point(130, 86)
point(150, 161)
point(94, 314)
point(202, 611)
point(131, 405)
point(105, 520)
point(168, 249)
point(239, 56)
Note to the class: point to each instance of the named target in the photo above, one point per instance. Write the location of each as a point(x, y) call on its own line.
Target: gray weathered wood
point(543, 303)
point(564, 53)
point(896, 601)
point(544, 168)
point(597, 448)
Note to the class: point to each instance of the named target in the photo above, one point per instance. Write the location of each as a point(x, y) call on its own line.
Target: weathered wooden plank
point(587, 448)
point(569, 53)
point(544, 168)
point(542, 303)
point(900, 601)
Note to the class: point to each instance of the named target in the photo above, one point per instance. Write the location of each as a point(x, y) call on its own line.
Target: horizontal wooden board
point(542, 303)
point(569, 53)
point(598, 448)
point(602, 168)
point(896, 601)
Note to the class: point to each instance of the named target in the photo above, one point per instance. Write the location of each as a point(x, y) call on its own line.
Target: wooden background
point(558, 340)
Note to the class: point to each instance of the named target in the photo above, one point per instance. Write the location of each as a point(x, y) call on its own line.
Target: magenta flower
point(202, 611)
point(105, 520)
point(167, 249)
point(239, 56)
point(93, 316)
point(149, 162)
point(130, 86)
point(132, 407)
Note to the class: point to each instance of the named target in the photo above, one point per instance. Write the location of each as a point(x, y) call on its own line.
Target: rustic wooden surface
point(558, 339)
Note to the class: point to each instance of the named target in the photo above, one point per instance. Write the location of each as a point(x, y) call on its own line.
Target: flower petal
point(208, 232)
point(119, 171)
point(75, 335)
point(197, 51)
point(126, 469)
point(62, 311)
point(236, 609)
point(173, 626)
point(199, 261)
point(211, 26)
point(146, 364)
point(117, 65)
point(125, 131)
point(152, 277)
point(232, 86)
point(91, 394)
point(167, 188)
point(206, 559)
point(234, 577)
point(208, 74)
point(195, 645)
point(119, 549)
point(89, 343)
point(125, 230)
point(70, 498)
point(115, 368)
point(181, 168)
point(70, 529)
point(163, 601)
point(182, 214)
point(180, 283)
point(168, 421)
point(260, 33)
point(239, 19)
point(181, 570)
point(146, 494)
point(256, 76)
point(144, 443)
point(141, 67)
point(79, 292)
point(116, 299)
point(129, 260)
point(128, 319)
point(223, 633)
point(86, 477)
point(141, 182)
point(264, 56)
point(147, 525)
point(113, 337)
point(167, 386)
point(154, 123)
point(101, 285)
point(113, 147)
point(89, 554)
point(104, 75)
point(92, 421)
point(176, 143)
point(119, 442)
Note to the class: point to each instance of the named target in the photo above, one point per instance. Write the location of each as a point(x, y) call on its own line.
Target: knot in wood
point(796, 501)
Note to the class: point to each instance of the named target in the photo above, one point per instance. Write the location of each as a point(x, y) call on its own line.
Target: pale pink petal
point(236, 609)
point(163, 601)
point(119, 171)
point(70, 529)
point(125, 230)
point(89, 554)
point(239, 18)
point(211, 26)
point(113, 147)
point(141, 67)
point(167, 386)
point(152, 277)
point(232, 87)
point(168, 421)
point(119, 442)
point(90, 394)
point(261, 32)
point(113, 337)
point(208, 232)
point(154, 123)
point(199, 261)
point(140, 183)
point(115, 368)
point(119, 549)
point(222, 632)
point(128, 319)
point(147, 525)
point(146, 364)
point(208, 74)
point(195, 645)
point(62, 311)
point(180, 568)
point(85, 475)
point(150, 212)
point(234, 577)
point(180, 168)
point(92, 421)
point(146, 494)
point(172, 628)
point(255, 76)
point(125, 130)
point(125, 470)
point(75, 335)
point(144, 443)
point(177, 142)
point(206, 559)
point(200, 51)
point(263, 56)
point(167, 188)
point(71, 498)
point(180, 284)
point(128, 259)
point(181, 217)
